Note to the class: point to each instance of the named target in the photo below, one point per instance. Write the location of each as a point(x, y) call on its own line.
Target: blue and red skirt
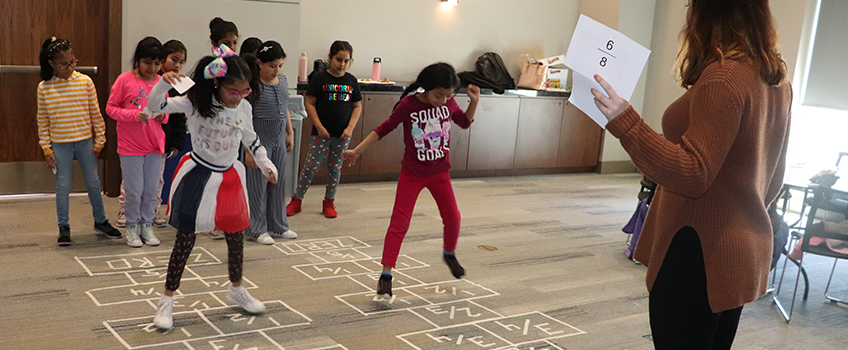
point(205, 197)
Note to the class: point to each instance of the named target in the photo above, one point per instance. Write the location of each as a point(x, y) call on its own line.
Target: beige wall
point(410, 34)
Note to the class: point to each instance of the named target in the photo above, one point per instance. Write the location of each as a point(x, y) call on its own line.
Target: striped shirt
point(273, 102)
point(68, 112)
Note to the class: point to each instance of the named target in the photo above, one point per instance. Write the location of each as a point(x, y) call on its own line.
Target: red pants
point(408, 188)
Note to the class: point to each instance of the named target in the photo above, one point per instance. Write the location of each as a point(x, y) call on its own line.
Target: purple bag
point(634, 226)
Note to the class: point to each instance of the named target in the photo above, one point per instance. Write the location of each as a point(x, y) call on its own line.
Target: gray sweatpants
point(267, 201)
point(141, 182)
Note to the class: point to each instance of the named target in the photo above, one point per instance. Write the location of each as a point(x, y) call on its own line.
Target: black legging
point(182, 249)
point(680, 312)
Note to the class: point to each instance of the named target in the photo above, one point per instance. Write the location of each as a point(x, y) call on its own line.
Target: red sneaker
point(329, 209)
point(294, 206)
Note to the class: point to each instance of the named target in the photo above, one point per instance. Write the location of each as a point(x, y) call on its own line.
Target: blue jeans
point(64, 153)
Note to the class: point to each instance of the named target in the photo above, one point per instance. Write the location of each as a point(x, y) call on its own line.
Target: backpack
point(491, 66)
point(483, 82)
point(318, 66)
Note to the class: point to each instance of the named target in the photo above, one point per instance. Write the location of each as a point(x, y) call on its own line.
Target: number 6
point(610, 44)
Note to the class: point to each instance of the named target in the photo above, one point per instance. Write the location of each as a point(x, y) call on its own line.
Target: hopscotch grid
point(279, 245)
point(487, 309)
point(79, 260)
point(179, 293)
point(478, 325)
point(423, 318)
point(414, 310)
point(408, 342)
point(272, 340)
point(360, 283)
point(355, 262)
point(114, 333)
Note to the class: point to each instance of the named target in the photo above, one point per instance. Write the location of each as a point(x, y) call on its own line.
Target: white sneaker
point(289, 234)
point(264, 238)
point(147, 235)
point(216, 235)
point(165, 308)
point(132, 236)
point(121, 221)
point(240, 296)
point(159, 220)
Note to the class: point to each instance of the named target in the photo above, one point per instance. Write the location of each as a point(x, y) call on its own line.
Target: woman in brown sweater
point(707, 240)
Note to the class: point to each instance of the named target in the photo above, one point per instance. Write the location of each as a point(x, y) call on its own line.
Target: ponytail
point(255, 86)
point(434, 76)
point(412, 87)
point(50, 49)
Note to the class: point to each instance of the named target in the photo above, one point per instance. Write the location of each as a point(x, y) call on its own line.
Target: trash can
point(298, 113)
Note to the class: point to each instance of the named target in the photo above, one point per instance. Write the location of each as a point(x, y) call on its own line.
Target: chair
point(824, 201)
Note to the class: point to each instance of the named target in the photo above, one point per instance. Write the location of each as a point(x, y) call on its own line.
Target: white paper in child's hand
point(183, 85)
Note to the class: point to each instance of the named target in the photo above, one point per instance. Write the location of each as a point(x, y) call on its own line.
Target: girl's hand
point(473, 92)
point(250, 161)
point(323, 133)
point(96, 154)
point(271, 178)
point(346, 133)
point(160, 117)
point(172, 77)
point(142, 117)
point(51, 161)
point(614, 105)
point(350, 156)
point(174, 152)
point(289, 143)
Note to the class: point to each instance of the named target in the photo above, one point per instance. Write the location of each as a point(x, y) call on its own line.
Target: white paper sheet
point(183, 85)
point(598, 49)
point(582, 98)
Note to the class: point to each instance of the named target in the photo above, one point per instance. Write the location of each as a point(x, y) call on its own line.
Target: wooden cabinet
point(538, 135)
point(492, 141)
point(459, 140)
point(580, 139)
point(384, 156)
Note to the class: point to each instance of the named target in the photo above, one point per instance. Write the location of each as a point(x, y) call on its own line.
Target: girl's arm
point(254, 146)
point(43, 119)
point(473, 94)
point(113, 105)
point(312, 113)
point(158, 101)
point(96, 118)
point(289, 132)
point(351, 155)
point(354, 118)
point(378, 133)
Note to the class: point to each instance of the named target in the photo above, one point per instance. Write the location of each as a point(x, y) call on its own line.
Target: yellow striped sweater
point(68, 111)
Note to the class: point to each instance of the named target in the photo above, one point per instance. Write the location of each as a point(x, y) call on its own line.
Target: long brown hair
point(729, 29)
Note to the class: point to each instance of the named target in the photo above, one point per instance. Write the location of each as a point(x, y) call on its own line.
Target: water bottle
point(375, 71)
point(301, 69)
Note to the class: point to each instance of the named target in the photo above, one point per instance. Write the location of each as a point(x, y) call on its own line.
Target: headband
point(218, 68)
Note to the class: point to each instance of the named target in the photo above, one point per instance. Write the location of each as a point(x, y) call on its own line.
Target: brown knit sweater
point(718, 166)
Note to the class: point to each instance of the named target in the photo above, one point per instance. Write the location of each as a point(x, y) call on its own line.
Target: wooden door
point(94, 29)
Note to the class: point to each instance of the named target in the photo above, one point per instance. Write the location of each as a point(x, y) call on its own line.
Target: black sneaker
point(384, 285)
point(64, 236)
point(107, 229)
point(456, 269)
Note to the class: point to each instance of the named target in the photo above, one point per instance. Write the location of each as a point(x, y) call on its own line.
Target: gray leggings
point(319, 149)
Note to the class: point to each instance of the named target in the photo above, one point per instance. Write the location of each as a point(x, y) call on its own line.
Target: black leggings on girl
point(680, 312)
point(182, 249)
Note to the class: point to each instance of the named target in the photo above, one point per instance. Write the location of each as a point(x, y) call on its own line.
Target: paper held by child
point(183, 85)
point(598, 49)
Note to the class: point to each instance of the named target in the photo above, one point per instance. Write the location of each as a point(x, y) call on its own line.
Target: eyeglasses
point(72, 63)
point(237, 93)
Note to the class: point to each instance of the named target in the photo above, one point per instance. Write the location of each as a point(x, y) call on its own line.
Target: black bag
point(475, 78)
point(491, 66)
point(319, 66)
point(780, 231)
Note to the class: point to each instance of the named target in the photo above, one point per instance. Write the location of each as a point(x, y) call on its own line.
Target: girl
point(707, 240)
point(224, 32)
point(273, 124)
point(426, 160)
point(141, 141)
point(208, 191)
point(251, 46)
point(333, 104)
point(175, 131)
point(67, 113)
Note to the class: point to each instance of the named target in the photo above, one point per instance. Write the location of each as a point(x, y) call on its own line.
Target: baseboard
point(617, 167)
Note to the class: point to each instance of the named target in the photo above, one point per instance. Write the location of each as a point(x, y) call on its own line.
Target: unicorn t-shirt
point(426, 133)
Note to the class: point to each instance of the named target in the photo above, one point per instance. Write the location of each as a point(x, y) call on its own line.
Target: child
point(425, 161)
point(272, 122)
point(333, 104)
point(208, 191)
point(67, 113)
point(141, 141)
point(250, 45)
point(175, 131)
point(224, 32)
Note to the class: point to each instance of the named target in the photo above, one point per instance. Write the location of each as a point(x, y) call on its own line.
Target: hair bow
point(218, 68)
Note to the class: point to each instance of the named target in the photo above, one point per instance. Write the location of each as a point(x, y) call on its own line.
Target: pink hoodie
point(128, 97)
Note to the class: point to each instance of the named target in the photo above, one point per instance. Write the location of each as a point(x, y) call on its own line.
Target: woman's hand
point(250, 161)
point(350, 156)
point(323, 133)
point(271, 178)
point(614, 105)
point(289, 142)
point(172, 77)
point(473, 92)
point(346, 133)
point(51, 161)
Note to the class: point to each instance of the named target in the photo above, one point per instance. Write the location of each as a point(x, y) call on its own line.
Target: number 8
point(603, 62)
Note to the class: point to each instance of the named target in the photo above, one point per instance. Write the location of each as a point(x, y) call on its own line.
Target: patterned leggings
point(319, 148)
point(182, 249)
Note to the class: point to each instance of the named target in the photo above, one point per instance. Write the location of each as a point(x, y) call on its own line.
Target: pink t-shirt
point(128, 97)
point(426, 133)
